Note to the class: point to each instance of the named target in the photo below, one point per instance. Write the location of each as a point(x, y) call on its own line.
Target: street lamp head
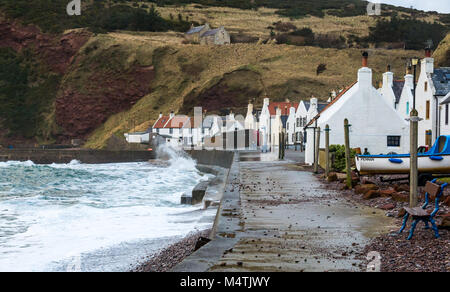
point(414, 61)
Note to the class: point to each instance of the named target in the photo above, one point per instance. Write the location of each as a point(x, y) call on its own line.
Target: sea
point(95, 217)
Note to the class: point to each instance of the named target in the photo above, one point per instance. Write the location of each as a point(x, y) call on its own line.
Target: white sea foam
point(49, 213)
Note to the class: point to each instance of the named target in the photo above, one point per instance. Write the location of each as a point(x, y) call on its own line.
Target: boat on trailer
point(434, 161)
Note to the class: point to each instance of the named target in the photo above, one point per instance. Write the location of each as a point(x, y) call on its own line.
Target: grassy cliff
point(226, 77)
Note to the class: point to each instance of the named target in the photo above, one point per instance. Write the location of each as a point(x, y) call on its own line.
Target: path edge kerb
point(225, 228)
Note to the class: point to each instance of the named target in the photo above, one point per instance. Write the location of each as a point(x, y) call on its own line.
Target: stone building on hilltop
point(204, 35)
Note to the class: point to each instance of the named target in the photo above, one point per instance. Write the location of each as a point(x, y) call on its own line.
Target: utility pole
point(347, 153)
point(327, 150)
point(316, 158)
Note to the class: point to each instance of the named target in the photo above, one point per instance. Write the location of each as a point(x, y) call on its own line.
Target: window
point(171, 131)
point(426, 86)
point(407, 107)
point(427, 116)
point(446, 114)
point(393, 141)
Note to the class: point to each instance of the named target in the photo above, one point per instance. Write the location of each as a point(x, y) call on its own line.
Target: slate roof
point(211, 32)
point(195, 29)
point(321, 106)
point(441, 80)
point(397, 87)
point(329, 104)
point(307, 104)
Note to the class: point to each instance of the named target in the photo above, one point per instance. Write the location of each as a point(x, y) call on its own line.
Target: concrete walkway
point(276, 217)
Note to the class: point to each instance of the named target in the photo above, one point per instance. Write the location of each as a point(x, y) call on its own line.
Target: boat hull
point(401, 164)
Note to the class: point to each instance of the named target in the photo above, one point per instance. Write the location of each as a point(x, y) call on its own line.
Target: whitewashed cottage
point(433, 85)
point(264, 126)
point(375, 124)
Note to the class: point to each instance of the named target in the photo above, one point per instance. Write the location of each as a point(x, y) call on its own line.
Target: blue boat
point(434, 161)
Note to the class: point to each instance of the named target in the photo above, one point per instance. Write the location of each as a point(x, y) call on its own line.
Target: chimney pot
point(428, 52)
point(388, 68)
point(365, 58)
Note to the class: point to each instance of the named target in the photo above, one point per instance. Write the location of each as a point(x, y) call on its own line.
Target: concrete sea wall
point(40, 156)
point(212, 157)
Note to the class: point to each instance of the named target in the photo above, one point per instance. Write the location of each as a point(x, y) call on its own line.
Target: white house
point(375, 124)
point(264, 126)
point(251, 122)
point(432, 87)
point(137, 137)
point(291, 127)
point(404, 99)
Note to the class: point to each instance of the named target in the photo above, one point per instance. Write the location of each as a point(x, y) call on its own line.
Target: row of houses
point(378, 117)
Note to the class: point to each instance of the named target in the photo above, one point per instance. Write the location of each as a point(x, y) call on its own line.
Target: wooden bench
point(420, 213)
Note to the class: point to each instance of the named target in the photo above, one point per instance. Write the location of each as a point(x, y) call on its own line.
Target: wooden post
point(283, 135)
point(279, 146)
point(316, 158)
point(413, 176)
point(347, 153)
point(327, 150)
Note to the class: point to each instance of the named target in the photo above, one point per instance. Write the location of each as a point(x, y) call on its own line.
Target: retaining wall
point(40, 156)
point(213, 157)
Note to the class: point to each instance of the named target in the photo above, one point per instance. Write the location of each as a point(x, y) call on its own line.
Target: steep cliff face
point(55, 51)
point(79, 111)
point(85, 88)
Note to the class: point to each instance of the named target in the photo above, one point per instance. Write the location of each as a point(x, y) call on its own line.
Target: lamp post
point(413, 139)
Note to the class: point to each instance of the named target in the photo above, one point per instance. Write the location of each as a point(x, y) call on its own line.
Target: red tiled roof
point(284, 106)
point(177, 122)
point(331, 103)
point(161, 122)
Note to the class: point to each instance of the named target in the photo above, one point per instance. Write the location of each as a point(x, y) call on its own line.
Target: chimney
point(388, 77)
point(250, 109)
point(278, 112)
point(160, 115)
point(427, 65)
point(365, 73)
point(313, 103)
point(172, 114)
point(409, 77)
point(365, 58)
point(287, 100)
point(266, 101)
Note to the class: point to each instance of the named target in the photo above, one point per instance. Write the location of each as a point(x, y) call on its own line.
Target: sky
point(442, 6)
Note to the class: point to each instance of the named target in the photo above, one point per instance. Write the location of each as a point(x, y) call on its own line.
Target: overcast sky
point(442, 6)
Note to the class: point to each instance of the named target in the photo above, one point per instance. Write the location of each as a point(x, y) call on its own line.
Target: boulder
point(367, 181)
point(332, 177)
point(341, 176)
point(443, 221)
point(362, 189)
point(387, 192)
point(447, 201)
point(389, 206)
point(372, 194)
point(401, 188)
point(400, 197)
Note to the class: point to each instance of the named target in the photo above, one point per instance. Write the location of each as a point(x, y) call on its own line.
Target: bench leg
point(433, 224)
point(405, 219)
point(413, 227)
